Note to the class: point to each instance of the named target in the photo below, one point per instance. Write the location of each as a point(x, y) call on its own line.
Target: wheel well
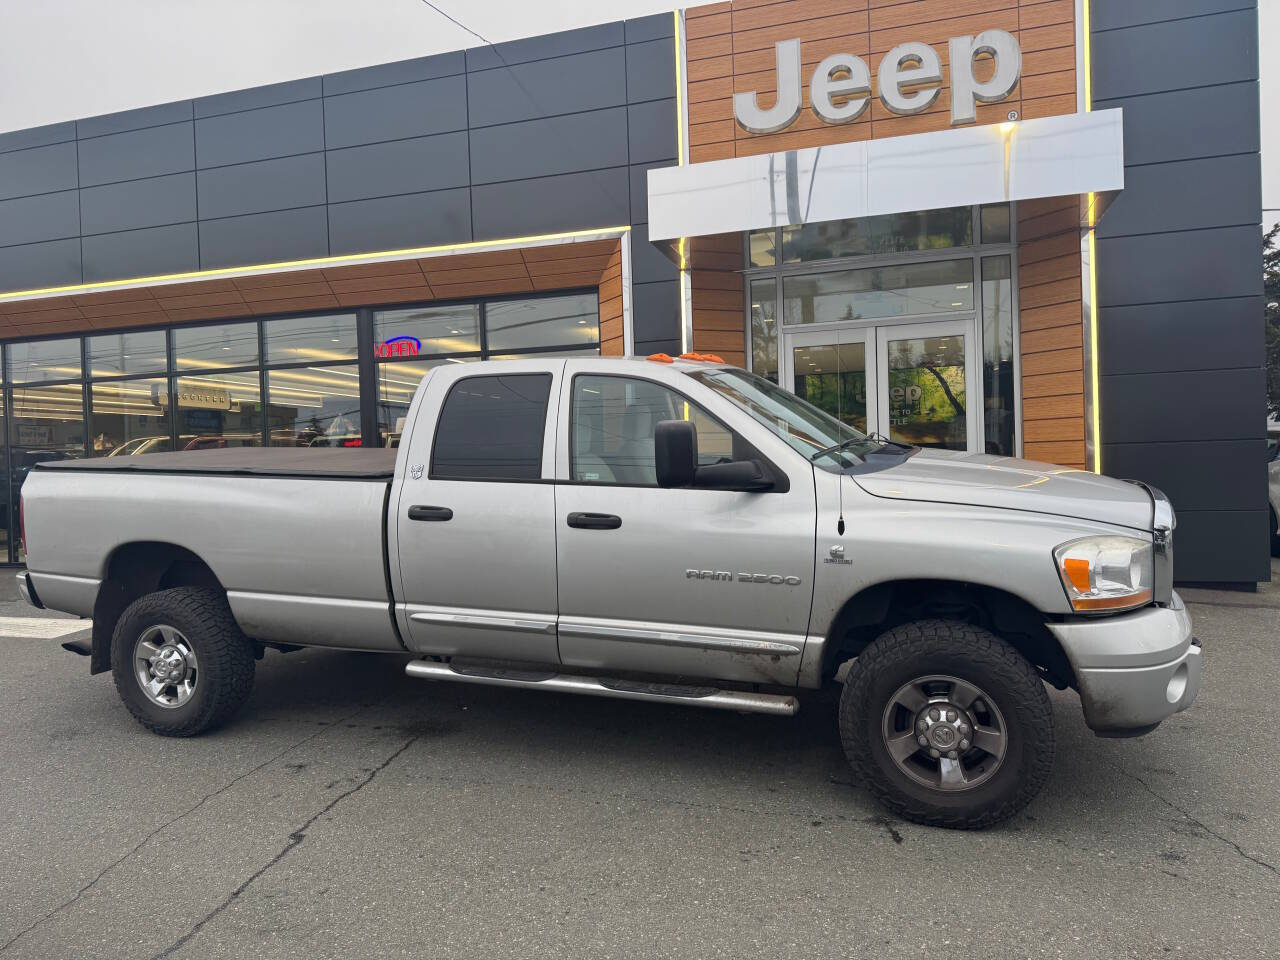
point(884, 606)
point(133, 571)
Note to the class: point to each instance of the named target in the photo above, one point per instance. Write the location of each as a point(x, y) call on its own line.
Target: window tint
point(613, 423)
point(491, 429)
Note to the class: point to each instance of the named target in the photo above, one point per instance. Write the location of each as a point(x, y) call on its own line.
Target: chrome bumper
point(1133, 670)
point(28, 590)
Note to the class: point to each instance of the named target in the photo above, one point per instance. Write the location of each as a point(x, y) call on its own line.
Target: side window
point(613, 419)
point(491, 429)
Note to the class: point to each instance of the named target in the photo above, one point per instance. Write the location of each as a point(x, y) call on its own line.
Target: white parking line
point(41, 628)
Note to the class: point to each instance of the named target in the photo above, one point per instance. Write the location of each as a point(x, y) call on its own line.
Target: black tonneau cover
point(336, 463)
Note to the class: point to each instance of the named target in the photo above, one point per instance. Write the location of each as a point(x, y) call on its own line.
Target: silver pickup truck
point(682, 532)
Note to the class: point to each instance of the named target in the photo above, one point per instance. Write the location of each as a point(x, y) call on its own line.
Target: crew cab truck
point(682, 532)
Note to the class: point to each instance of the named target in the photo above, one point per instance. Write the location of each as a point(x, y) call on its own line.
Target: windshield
point(830, 443)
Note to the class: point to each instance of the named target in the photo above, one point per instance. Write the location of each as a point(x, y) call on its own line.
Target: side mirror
point(675, 451)
point(747, 476)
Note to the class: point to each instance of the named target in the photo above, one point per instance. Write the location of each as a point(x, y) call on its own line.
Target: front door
point(911, 383)
point(699, 583)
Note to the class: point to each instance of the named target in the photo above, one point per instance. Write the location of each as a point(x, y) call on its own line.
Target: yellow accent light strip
point(1091, 200)
point(686, 293)
point(355, 259)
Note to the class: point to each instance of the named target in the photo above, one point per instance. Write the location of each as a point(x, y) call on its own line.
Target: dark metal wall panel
point(35, 265)
point(1219, 192)
point(656, 311)
point(1161, 337)
point(153, 202)
point(281, 131)
point(648, 263)
point(264, 237)
point(401, 166)
point(272, 95)
point(543, 135)
point(1185, 124)
point(392, 223)
point(574, 201)
point(149, 252)
point(50, 216)
point(395, 113)
point(390, 74)
point(541, 148)
point(1110, 14)
point(1180, 275)
point(151, 152)
point(262, 186)
point(24, 173)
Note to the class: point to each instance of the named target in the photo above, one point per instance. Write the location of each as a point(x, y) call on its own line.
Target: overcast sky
point(65, 59)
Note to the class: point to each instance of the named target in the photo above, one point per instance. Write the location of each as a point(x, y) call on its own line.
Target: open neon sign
point(398, 347)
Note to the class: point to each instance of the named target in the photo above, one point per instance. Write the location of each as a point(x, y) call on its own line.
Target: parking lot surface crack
point(296, 837)
point(71, 901)
point(1200, 823)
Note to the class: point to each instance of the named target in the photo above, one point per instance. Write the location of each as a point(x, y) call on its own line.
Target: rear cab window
point(491, 428)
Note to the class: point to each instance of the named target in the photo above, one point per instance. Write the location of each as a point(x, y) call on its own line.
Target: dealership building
point(1019, 227)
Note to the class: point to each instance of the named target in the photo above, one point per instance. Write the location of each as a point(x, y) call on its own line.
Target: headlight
point(1106, 573)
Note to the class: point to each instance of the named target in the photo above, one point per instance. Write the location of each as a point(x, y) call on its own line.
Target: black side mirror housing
point(675, 448)
point(675, 452)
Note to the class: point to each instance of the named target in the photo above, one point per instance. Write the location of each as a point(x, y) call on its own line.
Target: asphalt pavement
point(352, 812)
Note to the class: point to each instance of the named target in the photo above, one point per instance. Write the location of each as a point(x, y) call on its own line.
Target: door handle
point(595, 521)
point(419, 512)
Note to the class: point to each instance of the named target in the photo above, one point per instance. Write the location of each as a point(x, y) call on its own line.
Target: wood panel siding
point(589, 263)
point(716, 285)
point(729, 49)
point(1050, 311)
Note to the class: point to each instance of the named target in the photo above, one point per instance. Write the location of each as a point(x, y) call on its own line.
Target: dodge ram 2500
point(682, 532)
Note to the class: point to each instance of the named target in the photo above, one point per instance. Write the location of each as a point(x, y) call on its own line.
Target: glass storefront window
point(544, 322)
point(420, 331)
point(215, 347)
point(762, 245)
point(129, 417)
point(927, 392)
point(323, 339)
point(833, 377)
point(47, 424)
point(44, 360)
point(314, 407)
point(911, 289)
point(996, 227)
point(764, 328)
point(125, 353)
point(997, 356)
point(219, 410)
point(891, 233)
point(397, 383)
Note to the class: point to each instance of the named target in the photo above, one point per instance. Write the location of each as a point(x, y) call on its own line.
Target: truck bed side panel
point(301, 559)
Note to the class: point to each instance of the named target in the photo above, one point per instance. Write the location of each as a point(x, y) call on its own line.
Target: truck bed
point(301, 462)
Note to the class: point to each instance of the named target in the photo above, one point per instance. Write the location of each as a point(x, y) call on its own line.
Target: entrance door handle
point(595, 521)
point(419, 512)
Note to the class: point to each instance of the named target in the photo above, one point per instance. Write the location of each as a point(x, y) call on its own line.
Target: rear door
point(706, 583)
point(475, 515)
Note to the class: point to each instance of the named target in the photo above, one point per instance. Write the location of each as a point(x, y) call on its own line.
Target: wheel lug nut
point(923, 725)
point(935, 754)
point(964, 744)
point(951, 715)
point(951, 755)
point(922, 740)
point(934, 715)
point(964, 729)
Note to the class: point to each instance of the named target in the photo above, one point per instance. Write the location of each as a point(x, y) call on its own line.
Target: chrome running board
point(711, 697)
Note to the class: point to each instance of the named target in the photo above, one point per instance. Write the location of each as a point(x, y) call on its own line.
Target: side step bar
point(711, 697)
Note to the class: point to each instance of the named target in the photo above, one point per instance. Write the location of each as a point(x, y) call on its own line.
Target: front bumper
point(1133, 670)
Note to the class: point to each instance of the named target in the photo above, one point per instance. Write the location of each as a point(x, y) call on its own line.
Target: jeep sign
point(910, 79)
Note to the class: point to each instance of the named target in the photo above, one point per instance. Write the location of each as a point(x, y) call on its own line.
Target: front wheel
point(180, 663)
point(947, 724)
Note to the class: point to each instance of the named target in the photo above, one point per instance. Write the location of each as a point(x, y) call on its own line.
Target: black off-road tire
point(970, 653)
point(225, 658)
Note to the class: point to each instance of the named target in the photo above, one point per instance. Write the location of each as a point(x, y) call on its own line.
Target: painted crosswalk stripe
point(41, 628)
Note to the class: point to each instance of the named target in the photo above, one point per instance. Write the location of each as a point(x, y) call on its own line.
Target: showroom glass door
point(835, 371)
point(928, 381)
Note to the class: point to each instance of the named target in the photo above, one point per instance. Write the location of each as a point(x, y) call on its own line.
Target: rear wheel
point(180, 663)
point(947, 724)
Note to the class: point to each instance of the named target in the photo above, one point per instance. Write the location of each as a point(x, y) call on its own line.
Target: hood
point(981, 480)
